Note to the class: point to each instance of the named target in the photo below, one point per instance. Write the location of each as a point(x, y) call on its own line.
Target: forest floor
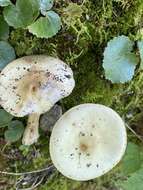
point(87, 27)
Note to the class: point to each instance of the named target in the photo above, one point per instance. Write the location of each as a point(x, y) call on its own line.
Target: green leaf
point(134, 182)
point(4, 29)
point(7, 54)
point(4, 3)
point(46, 27)
point(14, 132)
point(132, 159)
point(5, 118)
point(119, 62)
point(45, 5)
point(22, 14)
point(140, 46)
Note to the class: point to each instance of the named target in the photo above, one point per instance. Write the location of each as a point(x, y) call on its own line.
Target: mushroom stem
point(31, 133)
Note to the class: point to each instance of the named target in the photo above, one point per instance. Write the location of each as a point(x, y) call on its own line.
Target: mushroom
point(31, 85)
point(87, 141)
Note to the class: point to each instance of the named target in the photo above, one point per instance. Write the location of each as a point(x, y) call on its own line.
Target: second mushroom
point(31, 86)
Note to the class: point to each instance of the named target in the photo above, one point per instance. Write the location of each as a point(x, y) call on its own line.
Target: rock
point(48, 119)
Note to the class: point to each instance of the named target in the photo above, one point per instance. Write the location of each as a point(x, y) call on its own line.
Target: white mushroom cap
point(33, 84)
point(87, 141)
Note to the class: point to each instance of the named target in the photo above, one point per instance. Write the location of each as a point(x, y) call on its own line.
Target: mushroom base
point(31, 133)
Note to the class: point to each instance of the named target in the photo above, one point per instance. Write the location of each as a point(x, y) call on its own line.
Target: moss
point(81, 43)
point(27, 44)
point(59, 182)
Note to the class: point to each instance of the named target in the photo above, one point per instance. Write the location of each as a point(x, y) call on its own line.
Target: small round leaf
point(4, 3)
point(4, 29)
point(14, 132)
point(132, 159)
point(46, 5)
point(46, 27)
point(5, 118)
point(22, 14)
point(7, 54)
point(119, 62)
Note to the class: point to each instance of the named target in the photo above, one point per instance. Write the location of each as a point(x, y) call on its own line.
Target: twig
point(32, 172)
point(138, 136)
point(33, 185)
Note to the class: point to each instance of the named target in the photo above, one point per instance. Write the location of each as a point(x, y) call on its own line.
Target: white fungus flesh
point(87, 141)
point(31, 85)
